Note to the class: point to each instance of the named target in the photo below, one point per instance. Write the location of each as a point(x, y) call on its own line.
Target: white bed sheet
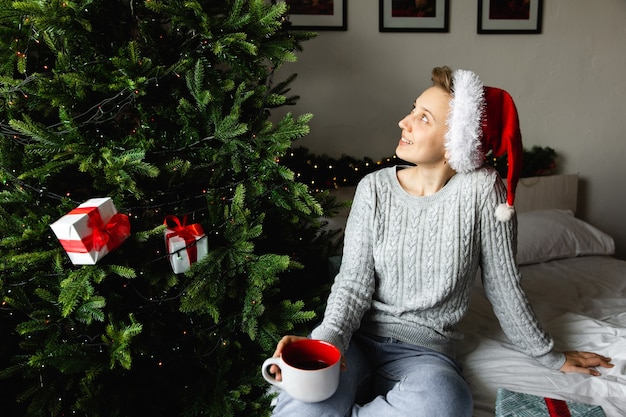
point(582, 303)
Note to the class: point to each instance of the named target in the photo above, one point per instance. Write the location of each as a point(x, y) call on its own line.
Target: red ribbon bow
point(188, 233)
point(110, 235)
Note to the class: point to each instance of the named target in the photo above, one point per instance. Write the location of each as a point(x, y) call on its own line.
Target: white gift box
point(186, 245)
point(91, 230)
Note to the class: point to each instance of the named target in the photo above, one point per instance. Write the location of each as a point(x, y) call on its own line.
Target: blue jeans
point(388, 378)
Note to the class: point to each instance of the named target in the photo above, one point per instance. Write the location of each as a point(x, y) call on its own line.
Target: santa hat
point(483, 119)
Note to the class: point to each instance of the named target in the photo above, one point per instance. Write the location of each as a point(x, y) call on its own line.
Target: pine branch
point(120, 337)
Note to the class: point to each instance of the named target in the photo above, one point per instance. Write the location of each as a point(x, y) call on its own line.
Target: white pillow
point(543, 235)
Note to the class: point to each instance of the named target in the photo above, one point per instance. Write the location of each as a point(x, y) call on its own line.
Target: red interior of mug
point(310, 354)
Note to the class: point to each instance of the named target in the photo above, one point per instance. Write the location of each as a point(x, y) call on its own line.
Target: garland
point(322, 172)
point(538, 161)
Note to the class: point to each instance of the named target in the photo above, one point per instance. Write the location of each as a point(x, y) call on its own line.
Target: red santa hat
point(483, 119)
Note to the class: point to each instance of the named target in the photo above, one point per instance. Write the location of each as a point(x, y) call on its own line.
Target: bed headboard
point(547, 192)
point(533, 193)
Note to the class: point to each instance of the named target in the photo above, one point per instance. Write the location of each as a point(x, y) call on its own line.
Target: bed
point(578, 291)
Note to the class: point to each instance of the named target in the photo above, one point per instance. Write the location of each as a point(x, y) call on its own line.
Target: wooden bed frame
point(547, 192)
point(533, 193)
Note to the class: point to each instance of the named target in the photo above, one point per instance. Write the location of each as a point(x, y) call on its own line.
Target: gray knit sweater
point(409, 264)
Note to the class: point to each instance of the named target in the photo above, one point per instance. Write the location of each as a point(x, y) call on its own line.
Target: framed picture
point(318, 14)
point(509, 16)
point(413, 15)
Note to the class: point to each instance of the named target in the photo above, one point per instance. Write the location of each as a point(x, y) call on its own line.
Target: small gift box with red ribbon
point(186, 244)
point(518, 404)
point(91, 230)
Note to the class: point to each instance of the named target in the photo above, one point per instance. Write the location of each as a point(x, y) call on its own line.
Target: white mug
point(309, 370)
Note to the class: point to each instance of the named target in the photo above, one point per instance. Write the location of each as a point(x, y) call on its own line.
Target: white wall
point(569, 84)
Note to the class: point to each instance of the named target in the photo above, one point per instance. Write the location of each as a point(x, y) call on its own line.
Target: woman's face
point(424, 128)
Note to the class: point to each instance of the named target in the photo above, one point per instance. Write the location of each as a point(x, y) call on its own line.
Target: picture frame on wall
point(318, 15)
point(509, 16)
point(414, 15)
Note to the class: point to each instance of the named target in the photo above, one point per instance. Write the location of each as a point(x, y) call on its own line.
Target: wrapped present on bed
point(91, 230)
point(186, 244)
point(517, 404)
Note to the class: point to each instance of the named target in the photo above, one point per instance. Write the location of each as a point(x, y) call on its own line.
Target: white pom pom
point(504, 212)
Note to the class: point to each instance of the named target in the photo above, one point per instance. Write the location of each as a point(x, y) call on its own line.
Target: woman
point(414, 240)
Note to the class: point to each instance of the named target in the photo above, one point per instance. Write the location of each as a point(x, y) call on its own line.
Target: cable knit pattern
point(409, 263)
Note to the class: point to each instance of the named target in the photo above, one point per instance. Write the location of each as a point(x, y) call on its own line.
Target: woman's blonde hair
point(442, 78)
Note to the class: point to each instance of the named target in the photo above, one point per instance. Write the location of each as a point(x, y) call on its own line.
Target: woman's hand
point(279, 348)
point(584, 362)
point(281, 345)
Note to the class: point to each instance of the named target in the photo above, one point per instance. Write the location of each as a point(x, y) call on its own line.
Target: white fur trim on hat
point(463, 138)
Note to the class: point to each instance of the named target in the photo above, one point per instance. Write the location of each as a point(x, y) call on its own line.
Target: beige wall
point(569, 84)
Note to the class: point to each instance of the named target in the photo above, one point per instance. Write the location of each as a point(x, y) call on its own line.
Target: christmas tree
point(163, 106)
